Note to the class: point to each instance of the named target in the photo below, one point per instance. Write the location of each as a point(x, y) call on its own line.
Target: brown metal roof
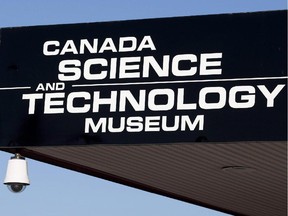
point(245, 178)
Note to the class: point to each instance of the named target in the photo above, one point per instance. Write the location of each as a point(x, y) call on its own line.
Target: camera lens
point(16, 187)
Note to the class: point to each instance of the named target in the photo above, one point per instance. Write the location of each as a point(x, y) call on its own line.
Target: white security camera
point(17, 174)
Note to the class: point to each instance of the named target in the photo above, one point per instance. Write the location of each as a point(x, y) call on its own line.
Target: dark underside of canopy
point(241, 178)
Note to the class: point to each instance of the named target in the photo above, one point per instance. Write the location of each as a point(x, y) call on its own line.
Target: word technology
point(118, 101)
point(154, 81)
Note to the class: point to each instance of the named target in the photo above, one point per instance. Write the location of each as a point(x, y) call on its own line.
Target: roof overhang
point(241, 178)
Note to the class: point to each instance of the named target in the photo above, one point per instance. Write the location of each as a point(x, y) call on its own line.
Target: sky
point(56, 191)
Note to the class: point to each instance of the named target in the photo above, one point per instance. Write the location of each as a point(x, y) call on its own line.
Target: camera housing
point(17, 174)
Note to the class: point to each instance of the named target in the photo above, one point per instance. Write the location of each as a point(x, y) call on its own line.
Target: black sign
point(219, 78)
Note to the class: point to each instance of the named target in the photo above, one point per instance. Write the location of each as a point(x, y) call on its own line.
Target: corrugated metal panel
point(194, 171)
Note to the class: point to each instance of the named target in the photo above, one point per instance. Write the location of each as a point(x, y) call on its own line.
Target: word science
point(148, 81)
